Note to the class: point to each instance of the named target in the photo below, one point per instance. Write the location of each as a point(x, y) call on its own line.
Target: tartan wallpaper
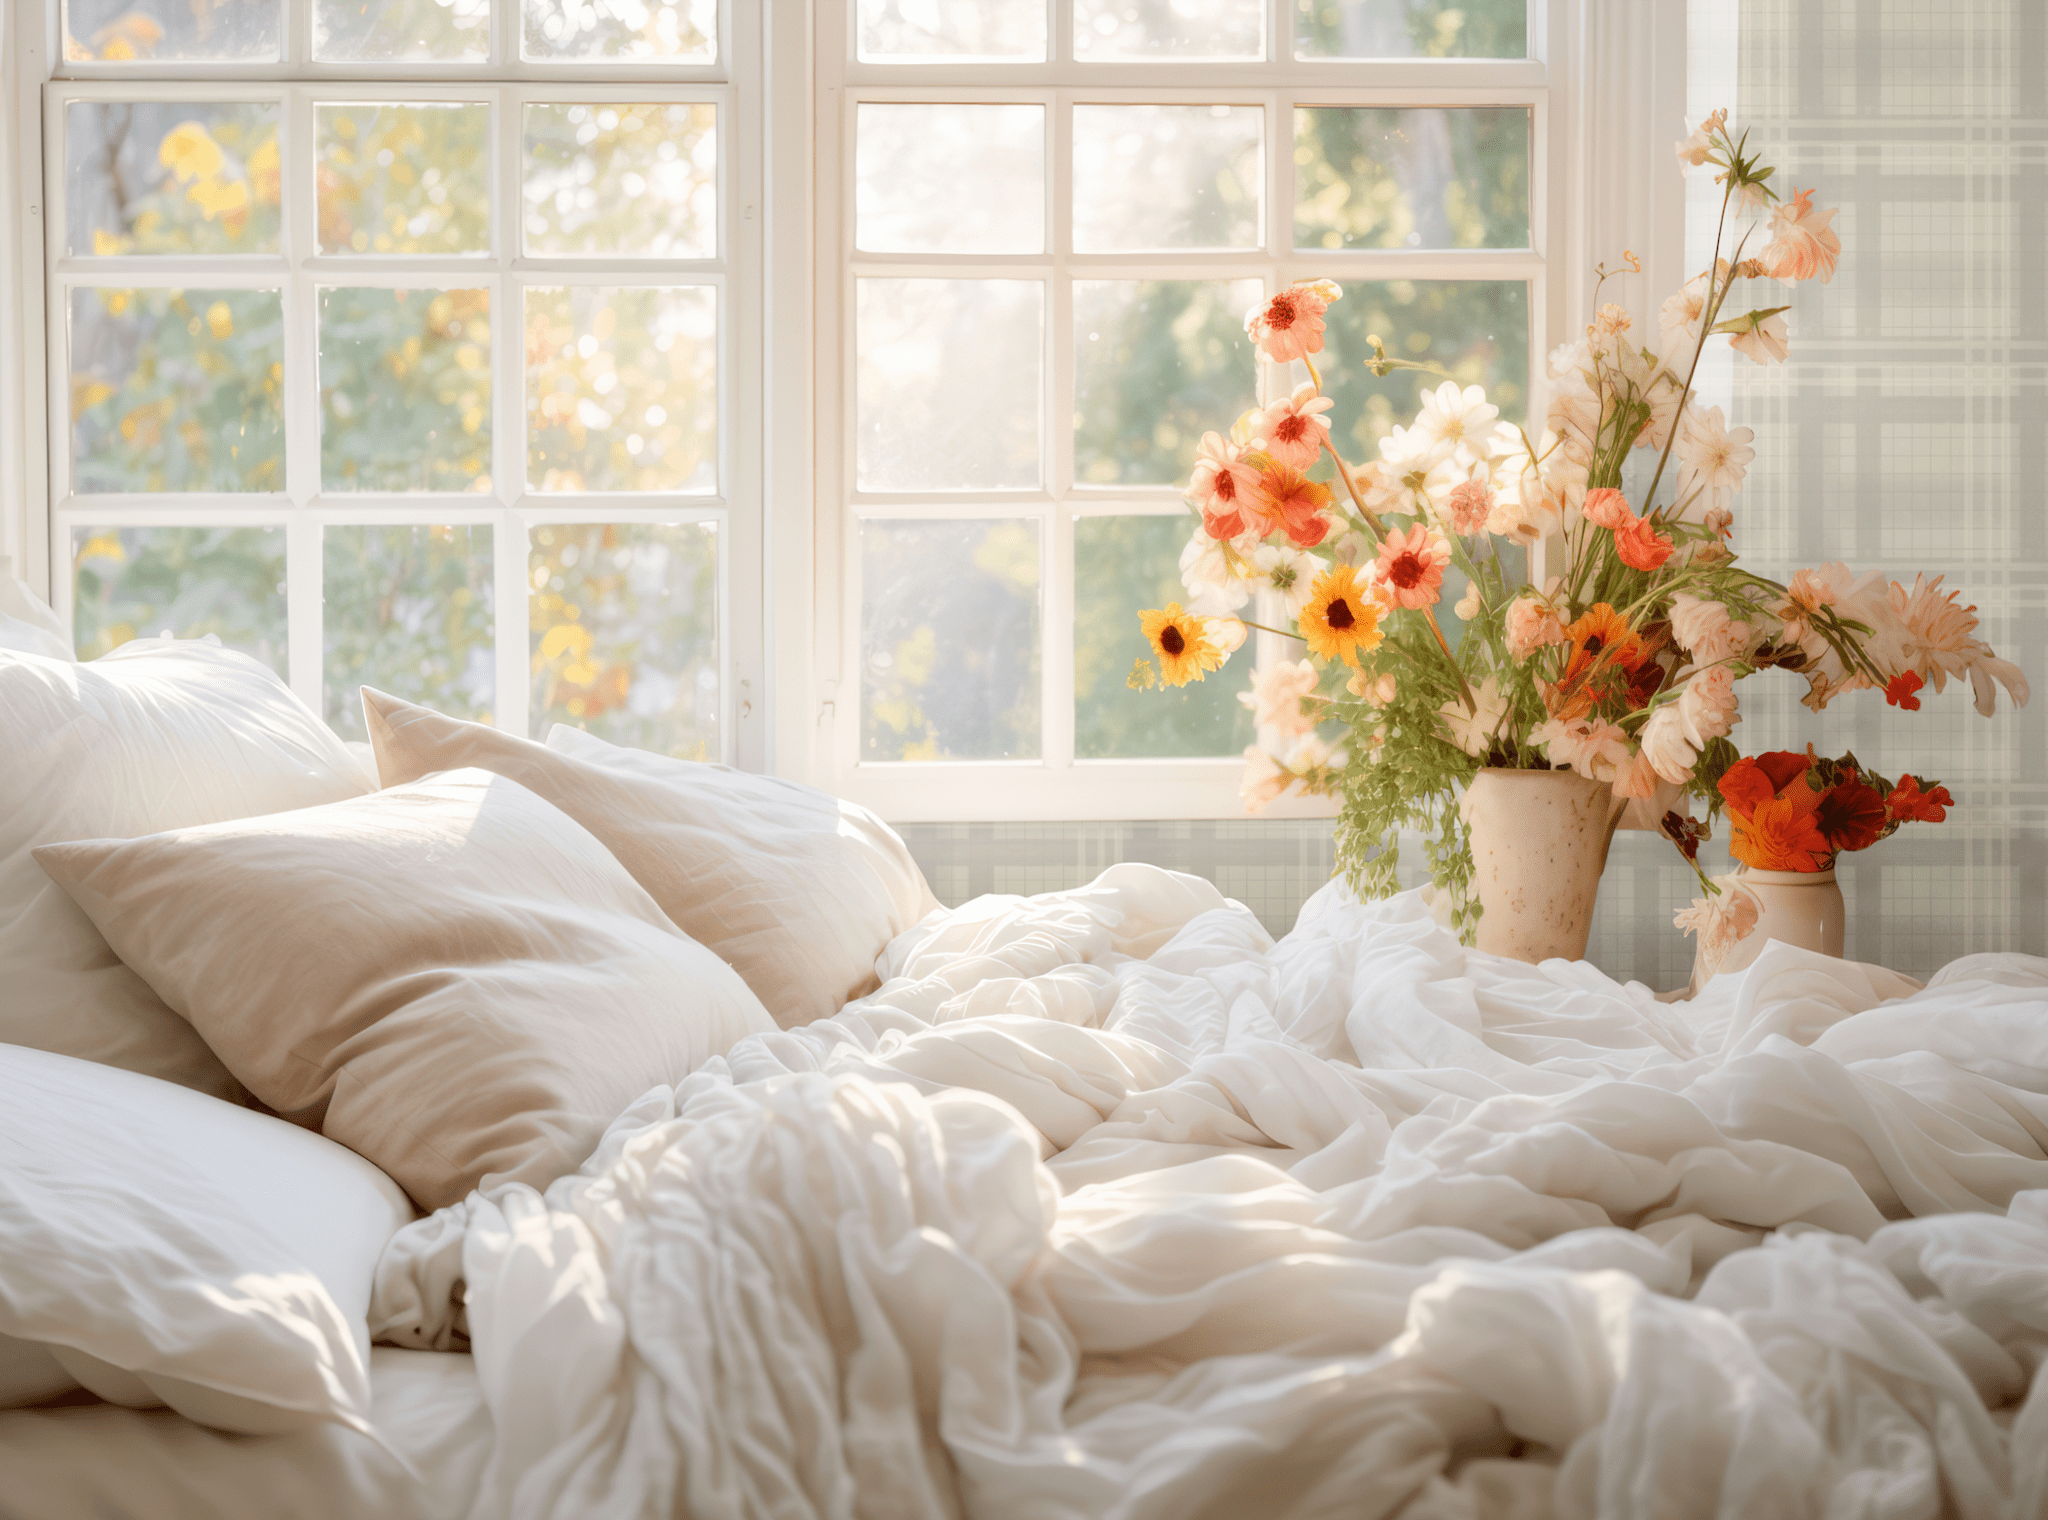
point(1908, 431)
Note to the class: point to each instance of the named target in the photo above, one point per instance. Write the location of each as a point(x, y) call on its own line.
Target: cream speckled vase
point(1539, 844)
point(1802, 908)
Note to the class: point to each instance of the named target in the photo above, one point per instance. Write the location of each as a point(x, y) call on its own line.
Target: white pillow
point(170, 1248)
point(160, 734)
point(27, 624)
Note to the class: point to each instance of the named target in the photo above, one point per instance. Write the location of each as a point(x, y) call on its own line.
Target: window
point(1040, 229)
point(405, 344)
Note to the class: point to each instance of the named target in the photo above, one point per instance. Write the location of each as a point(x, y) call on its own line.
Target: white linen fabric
point(97, 1461)
point(28, 624)
point(160, 734)
point(1106, 1205)
point(165, 1247)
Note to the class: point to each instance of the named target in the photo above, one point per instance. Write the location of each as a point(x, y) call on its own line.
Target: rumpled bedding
point(1106, 1204)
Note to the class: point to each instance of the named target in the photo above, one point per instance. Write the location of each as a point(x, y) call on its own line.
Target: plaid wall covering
point(1909, 431)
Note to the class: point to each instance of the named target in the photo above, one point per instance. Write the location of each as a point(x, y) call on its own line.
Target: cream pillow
point(163, 1247)
point(160, 734)
point(450, 978)
point(798, 890)
point(27, 623)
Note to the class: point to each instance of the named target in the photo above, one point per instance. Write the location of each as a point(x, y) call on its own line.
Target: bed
point(1105, 1203)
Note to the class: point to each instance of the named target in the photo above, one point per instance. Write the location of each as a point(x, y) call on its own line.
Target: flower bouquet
point(1617, 659)
point(1791, 813)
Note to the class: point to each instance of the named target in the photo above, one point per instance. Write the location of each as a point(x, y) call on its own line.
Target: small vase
point(1539, 844)
point(1802, 908)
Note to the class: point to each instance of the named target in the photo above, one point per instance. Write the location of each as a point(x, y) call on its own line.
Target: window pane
point(1168, 29)
point(950, 384)
point(408, 611)
point(405, 390)
point(1123, 565)
point(177, 390)
point(949, 640)
point(1371, 178)
point(1166, 177)
point(139, 582)
point(625, 181)
point(1157, 363)
point(946, 31)
point(378, 31)
point(1411, 28)
point(152, 31)
point(622, 389)
point(1478, 330)
point(597, 31)
point(405, 178)
point(624, 638)
point(951, 179)
point(170, 177)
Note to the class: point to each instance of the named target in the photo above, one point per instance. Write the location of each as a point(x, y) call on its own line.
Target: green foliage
point(1123, 565)
point(189, 582)
point(1402, 177)
point(177, 390)
point(1411, 28)
point(949, 640)
point(623, 622)
point(1157, 363)
point(1476, 330)
point(405, 178)
point(405, 390)
point(408, 610)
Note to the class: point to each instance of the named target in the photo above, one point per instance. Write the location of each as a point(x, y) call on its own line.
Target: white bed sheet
point(102, 1462)
point(1105, 1205)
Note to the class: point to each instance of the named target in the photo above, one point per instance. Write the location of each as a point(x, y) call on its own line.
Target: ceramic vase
point(1802, 908)
point(1539, 844)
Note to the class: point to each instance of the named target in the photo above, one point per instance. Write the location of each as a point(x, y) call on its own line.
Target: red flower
point(1643, 682)
point(1781, 765)
point(1851, 815)
point(1900, 692)
point(1908, 804)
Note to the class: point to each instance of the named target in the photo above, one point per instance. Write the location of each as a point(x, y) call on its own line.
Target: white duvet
point(1107, 1205)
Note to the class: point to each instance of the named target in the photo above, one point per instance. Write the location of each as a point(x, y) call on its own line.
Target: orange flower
point(1781, 835)
point(1745, 788)
point(1900, 692)
point(1341, 617)
point(1908, 804)
point(1640, 545)
point(1290, 326)
point(1286, 501)
point(1601, 637)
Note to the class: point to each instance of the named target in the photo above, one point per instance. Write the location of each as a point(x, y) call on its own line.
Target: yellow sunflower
point(1182, 643)
point(1341, 618)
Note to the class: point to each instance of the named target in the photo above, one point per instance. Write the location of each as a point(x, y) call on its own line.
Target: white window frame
point(736, 85)
point(1057, 785)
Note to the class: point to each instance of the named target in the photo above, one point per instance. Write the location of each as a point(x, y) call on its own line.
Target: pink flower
point(1222, 486)
point(1468, 506)
point(1411, 566)
point(1532, 624)
point(1803, 246)
point(1276, 694)
point(1591, 746)
point(1720, 922)
point(1293, 430)
point(1607, 508)
point(1641, 546)
point(1636, 779)
point(1290, 326)
point(1760, 338)
point(1264, 779)
point(1700, 145)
